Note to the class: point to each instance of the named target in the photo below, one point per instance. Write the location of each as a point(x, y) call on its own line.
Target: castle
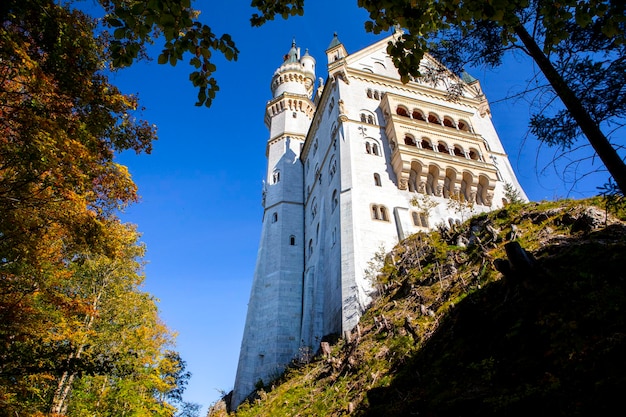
point(354, 165)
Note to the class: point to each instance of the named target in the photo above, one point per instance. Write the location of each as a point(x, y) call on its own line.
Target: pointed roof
point(467, 78)
point(292, 55)
point(334, 42)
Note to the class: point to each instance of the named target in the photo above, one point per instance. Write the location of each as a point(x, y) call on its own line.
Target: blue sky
point(200, 212)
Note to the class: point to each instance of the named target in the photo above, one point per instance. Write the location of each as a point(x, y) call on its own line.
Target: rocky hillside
point(518, 312)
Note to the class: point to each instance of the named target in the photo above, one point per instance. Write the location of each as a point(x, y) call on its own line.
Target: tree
point(71, 313)
point(579, 46)
point(128, 26)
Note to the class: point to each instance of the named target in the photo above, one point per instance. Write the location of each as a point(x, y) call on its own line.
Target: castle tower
point(273, 324)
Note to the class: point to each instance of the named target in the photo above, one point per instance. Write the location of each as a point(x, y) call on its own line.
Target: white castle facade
point(346, 163)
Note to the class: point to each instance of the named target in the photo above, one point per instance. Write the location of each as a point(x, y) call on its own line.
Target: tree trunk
point(600, 143)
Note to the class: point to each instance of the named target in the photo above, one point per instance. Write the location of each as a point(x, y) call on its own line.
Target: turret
point(273, 325)
point(296, 75)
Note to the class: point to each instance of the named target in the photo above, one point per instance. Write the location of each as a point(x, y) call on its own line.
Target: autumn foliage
point(77, 334)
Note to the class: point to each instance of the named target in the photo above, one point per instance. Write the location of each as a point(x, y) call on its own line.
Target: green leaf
point(119, 33)
point(163, 57)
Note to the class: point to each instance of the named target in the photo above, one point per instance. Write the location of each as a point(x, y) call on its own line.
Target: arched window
point(370, 119)
point(402, 111)
point(416, 219)
point(433, 118)
point(459, 152)
point(442, 148)
point(432, 181)
point(275, 177)
point(463, 125)
point(369, 93)
point(466, 186)
point(449, 183)
point(375, 214)
point(317, 232)
point(335, 200)
point(368, 148)
point(377, 180)
point(380, 213)
point(448, 122)
point(473, 154)
point(363, 117)
point(332, 169)
point(418, 115)
point(481, 190)
point(310, 247)
point(414, 176)
point(292, 240)
point(409, 140)
point(334, 236)
point(314, 208)
point(375, 150)
point(376, 95)
point(426, 144)
point(274, 217)
point(383, 214)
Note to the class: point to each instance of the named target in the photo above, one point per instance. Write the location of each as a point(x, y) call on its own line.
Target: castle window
point(333, 167)
point(419, 219)
point(368, 148)
point(310, 247)
point(317, 232)
point(459, 152)
point(402, 111)
point(449, 183)
point(334, 236)
point(375, 150)
point(377, 180)
point(294, 114)
point(274, 217)
point(463, 125)
point(383, 214)
point(442, 148)
point(376, 95)
point(379, 213)
point(275, 177)
point(315, 145)
point(474, 155)
point(418, 115)
point(426, 144)
point(409, 140)
point(314, 208)
point(369, 93)
point(368, 117)
point(331, 105)
point(335, 200)
point(481, 190)
point(292, 240)
point(433, 118)
point(448, 122)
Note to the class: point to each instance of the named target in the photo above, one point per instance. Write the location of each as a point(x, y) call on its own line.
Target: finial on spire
point(335, 41)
